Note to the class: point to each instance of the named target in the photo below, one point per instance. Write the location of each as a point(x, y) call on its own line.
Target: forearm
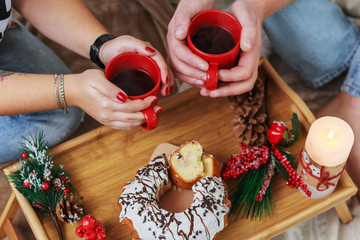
point(67, 22)
point(24, 93)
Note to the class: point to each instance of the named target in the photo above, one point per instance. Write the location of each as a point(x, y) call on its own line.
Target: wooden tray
point(102, 161)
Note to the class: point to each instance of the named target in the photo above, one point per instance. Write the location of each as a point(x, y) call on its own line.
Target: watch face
point(94, 48)
point(94, 51)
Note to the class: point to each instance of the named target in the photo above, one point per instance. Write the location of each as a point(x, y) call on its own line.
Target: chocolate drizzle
point(202, 220)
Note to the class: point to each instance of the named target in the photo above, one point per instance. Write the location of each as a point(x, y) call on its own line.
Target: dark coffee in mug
point(133, 82)
point(213, 40)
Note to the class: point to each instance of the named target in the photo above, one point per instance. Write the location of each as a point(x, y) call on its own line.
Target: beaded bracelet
point(62, 94)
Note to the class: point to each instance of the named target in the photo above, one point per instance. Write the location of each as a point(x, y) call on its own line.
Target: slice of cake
point(212, 167)
point(186, 166)
point(189, 163)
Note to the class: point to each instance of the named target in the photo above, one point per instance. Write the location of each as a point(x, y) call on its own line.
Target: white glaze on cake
point(202, 220)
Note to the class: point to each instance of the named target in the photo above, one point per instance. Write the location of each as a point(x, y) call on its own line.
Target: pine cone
point(58, 184)
point(250, 119)
point(69, 209)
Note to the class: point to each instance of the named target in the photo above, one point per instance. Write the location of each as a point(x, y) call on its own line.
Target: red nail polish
point(166, 91)
point(159, 111)
point(171, 89)
point(153, 103)
point(167, 80)
point(122, 97)
point(149, 49)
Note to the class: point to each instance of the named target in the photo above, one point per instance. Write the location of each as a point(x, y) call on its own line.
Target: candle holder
point(323, 159)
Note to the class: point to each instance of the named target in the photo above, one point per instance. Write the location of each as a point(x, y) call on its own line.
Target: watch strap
point(95, 49)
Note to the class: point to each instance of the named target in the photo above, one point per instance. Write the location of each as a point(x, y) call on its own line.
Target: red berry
point(66, 191)
point(63, 178)
point(90, 234)
point(101, 236)
point(80, 231)
point(26, 184)
point(45, 186)
point(88, 222)
point(99, 228)
point(24, 155)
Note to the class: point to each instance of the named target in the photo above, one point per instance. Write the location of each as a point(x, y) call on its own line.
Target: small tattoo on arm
point(5, 73)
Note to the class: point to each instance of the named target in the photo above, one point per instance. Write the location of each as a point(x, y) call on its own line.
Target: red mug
point(135, 61)
point(227, 59)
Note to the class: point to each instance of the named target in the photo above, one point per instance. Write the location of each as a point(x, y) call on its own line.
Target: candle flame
point(331, 134)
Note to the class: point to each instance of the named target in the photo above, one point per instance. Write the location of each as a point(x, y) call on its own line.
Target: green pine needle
point(244, 195)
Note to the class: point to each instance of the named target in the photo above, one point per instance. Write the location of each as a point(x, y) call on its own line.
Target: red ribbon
point(324, 175)
point(324, 180)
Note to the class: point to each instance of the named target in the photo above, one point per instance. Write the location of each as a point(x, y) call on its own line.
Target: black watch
point(95, 48)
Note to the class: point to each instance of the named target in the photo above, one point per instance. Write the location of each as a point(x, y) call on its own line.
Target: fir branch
point(36, 169)
point(244, 195)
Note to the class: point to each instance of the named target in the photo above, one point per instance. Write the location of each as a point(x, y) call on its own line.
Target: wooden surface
point(102, 161)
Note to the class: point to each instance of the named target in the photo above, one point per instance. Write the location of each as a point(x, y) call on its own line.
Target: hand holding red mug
point(139, 77)
point(190, 68)
point(215, 35)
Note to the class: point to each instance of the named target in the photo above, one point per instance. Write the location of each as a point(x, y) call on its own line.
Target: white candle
point(329, 141)
point(324, 156)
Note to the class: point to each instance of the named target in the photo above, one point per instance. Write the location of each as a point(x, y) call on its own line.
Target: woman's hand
point(190, 68)
point(187, 66)
point(125, 43)
point(104, 101)
point(241, 78)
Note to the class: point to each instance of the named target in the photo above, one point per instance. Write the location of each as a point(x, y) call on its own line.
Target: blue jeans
point(318, 41)
point(20, 51)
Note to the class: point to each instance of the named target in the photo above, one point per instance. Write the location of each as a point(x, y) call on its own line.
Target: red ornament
point(66, 191)
point(101, 236)
point(276, 132)
point(88, 222)
point(63, 178)
point(99, 228)
point(80, 231)
point(90, 235)
point(24, 155)
point(45, 186)
point(26, 184)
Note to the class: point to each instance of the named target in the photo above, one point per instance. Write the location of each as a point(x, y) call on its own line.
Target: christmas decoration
point(39, 180)
point(88, 222)
point(45, 186)
point(66, 190)
point(249, 118)
point(90, 229)
point(24, 155)
point(26, 184)
point(255, 167)
point(69, 209)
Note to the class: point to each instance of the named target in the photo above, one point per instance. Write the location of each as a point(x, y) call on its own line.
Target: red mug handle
point(212, 76)
point(150, 118)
